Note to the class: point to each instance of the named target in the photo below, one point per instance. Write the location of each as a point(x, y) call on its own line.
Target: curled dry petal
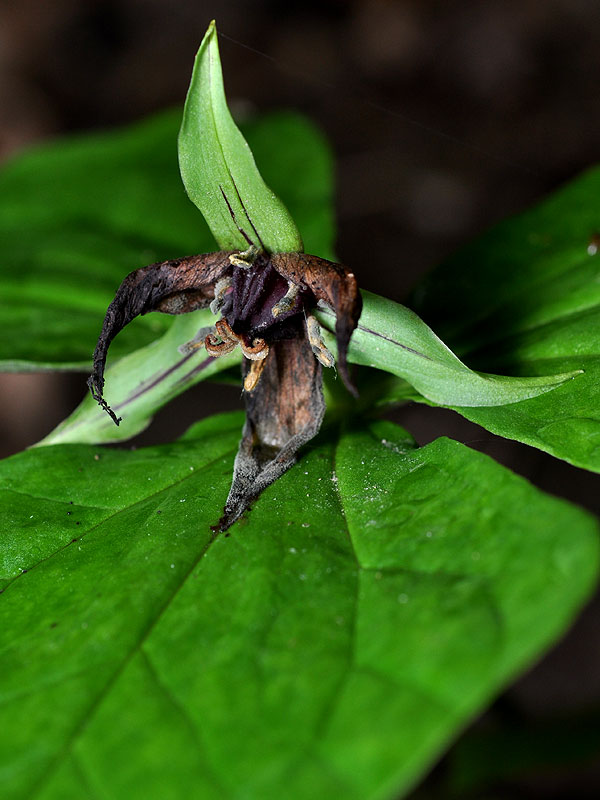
point(283, 412)
point(173, 287)
point(266, 305)
point(332, 283)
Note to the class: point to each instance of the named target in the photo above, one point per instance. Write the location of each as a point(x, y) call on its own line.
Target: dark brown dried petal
point(336, 286)
point(173, 287)
point(283, 412)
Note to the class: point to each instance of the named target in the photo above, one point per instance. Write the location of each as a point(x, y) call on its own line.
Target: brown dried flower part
point(265, 304)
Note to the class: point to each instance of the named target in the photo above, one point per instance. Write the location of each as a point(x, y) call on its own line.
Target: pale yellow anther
point(197, 342)
point(317, 344)
point(245, 259)
point(287, 301)
point(221, 288)
point(252, 378)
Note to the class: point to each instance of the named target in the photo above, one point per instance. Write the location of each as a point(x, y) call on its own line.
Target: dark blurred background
point(444, 118)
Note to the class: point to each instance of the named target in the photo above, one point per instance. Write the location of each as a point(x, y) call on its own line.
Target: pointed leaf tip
point(393, 338)
point(218, 168)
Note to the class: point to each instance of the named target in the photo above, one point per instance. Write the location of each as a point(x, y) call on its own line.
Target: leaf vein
point(111, 516)
point(103, 693)
point(183, 713)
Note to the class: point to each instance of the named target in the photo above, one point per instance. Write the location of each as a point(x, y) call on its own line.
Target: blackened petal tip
point(96, 385)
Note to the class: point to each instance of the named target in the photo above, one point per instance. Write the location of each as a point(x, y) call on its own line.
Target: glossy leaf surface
point(218, 168)
point(393, 338)
point(525, 299)
point(333, 644)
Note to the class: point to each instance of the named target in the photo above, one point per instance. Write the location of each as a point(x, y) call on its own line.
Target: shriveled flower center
point(259, 307)
point(253, 306)
point(263, 304)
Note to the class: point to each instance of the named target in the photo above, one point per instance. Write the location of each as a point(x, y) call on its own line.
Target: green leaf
point(393, 338)
point(77, 215)
point(525, 299)
point(218, 168)
point(141, 383)
point(334, 643)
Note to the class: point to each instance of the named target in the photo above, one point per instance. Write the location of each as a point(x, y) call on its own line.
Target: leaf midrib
point(122, 510)
point(97, 702)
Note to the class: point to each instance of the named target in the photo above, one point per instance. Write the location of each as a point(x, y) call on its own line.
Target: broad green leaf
point(525, 299)
point(141, 383)
point(218, 168)
point(393, 338)
point(75, 217)
point(373, 600)
point(79, 214)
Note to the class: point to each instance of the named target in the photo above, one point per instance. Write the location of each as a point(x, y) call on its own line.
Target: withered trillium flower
point(265, 302)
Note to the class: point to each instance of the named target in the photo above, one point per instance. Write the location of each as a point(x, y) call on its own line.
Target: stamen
point(221, 288)
point(287, 301)
point(225, 331)
point(316, 342)
point(252, 378)
point(245, 259)
point(222, 341)
point(197, 342)
point(325, 306)
point(257, 351)
point(216, 348)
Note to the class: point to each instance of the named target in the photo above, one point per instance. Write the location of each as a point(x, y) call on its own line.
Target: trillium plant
point(370, 596)
point(265, 301)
